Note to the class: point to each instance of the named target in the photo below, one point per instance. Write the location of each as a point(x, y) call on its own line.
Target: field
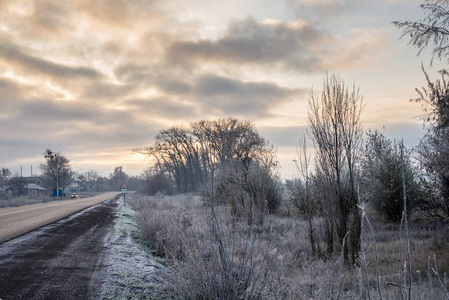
point(218, 256)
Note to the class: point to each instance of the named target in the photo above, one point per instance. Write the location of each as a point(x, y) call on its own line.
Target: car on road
point(74, 196)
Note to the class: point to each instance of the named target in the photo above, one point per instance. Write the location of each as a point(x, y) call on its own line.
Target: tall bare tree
point(334, 122)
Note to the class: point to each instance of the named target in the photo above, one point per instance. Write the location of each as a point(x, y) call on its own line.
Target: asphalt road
point(15, 221)
point(62, 260)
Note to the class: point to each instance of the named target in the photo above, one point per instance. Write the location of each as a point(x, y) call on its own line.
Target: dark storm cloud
point(234, 97)
point(247, 41)
point(37, 65)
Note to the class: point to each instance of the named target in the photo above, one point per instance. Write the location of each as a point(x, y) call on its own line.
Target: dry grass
point(273, 260)
point(19, 201)
point(428, 243)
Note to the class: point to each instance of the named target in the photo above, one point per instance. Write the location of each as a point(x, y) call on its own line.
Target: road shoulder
point(130, 272)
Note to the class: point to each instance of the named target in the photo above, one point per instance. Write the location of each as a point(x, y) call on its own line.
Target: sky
point(95, 79)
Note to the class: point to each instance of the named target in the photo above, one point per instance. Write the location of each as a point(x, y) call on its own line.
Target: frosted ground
point(130, 272)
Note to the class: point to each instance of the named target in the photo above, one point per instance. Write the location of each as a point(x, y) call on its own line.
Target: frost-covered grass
point(131, 272)
point(178, 228)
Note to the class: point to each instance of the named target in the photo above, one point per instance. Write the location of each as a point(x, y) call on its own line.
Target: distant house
point(35, 180)
point(23, 186)
point(35, 191)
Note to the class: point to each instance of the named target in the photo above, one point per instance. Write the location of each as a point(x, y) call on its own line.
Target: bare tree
point(334, 121)
point(155, 182)
point(433, 29)
point(229, 155)
point(88, 180)
point(5, 175)
point(17, 185)
point(117, 178)
point(176, 153)
point(190, 155)
point(56, 171)
point(302, 197)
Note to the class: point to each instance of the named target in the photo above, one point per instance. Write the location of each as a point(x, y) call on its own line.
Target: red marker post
point(124, 190)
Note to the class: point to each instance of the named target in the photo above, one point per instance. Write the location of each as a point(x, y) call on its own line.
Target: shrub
point(158, 183)
point(382, 177)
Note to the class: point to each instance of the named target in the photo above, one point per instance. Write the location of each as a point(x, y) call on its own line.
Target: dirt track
point(62, 260)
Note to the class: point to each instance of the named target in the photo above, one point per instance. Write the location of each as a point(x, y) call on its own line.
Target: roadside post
point(124, 190)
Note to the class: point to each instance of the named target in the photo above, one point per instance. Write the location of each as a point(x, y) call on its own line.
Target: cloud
point(364, 49)
point(8, 91)
point(106, 90)
point(233, 97)
point(15, 57)
point(121, 14)
point(162, 107)
point(295, 46)
point(247, 41)
point(207, 93)
point(70, 127)
point(159, 76)
point(50, 19)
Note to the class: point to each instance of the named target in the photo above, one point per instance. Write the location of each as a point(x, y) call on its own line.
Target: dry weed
point(274, 260)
